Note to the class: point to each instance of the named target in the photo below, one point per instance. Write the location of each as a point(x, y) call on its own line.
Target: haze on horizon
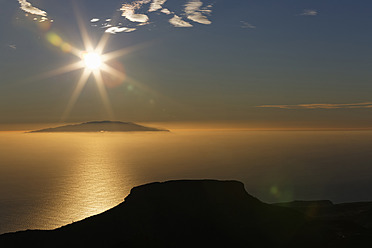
point(241, 63)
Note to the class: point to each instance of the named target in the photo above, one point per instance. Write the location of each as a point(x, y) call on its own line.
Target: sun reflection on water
point(95, 178)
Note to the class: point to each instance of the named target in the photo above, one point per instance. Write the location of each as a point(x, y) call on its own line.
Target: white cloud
point(94, 20)
point(114, 30)
point(128, 30)
point(193, 5)
point(166, 11)
point(178, 22)
point(143, 24)
point(309, 12)
point(247, 25)
point(43, 19)
point(129, 11)
point(27, 7)
point(198, 17)
point(321, 106)
point(194, 12)
point(106, 25)
point(156, 5)
point(133, 17)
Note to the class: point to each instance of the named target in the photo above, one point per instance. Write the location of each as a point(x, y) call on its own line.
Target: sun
point(92, 60)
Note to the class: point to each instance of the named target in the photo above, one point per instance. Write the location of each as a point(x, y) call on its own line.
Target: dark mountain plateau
point(208, 213)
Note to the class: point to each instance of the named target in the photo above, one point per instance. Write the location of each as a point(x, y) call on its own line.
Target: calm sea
point(49, 180)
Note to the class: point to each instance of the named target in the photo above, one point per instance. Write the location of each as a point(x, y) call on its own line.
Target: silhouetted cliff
point(196, 213)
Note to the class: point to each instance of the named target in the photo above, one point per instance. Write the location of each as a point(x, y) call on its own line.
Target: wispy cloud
point(321, 106)
point(156, 5)
point(27, 7)
point(195, 13)
point(94, 20)
point(140, 11)
point(309, 12)
point(115, 30)
point(247, 25)
point(166, 11)
point(178, 22)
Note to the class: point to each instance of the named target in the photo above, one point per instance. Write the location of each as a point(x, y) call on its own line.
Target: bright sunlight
point(92, 60)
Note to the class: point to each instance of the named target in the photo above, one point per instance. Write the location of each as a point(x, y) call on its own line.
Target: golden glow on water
point(50, 179)
point(98, 178)
point(60, 178)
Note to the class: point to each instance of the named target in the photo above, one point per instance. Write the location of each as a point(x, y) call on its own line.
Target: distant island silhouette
point(101, 126)
point(208, 213)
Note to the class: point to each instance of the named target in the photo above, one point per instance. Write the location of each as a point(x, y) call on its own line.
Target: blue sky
point(264, 63)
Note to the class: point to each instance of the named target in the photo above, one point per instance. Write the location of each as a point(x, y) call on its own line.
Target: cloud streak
point(247, 25)
point(309, 12)
point(195, 13)
point(178, 22)
point(27, 7)
point(94, 20)
point(156, 5)
point(363, 105)
point(115, 30)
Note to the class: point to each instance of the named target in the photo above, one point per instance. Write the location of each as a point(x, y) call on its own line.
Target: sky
point(272, 63)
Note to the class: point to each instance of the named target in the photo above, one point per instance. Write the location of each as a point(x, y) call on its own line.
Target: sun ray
point(75, 52)
point(110, 70)
point(68, 68)
point(102, 43)
point(102, 90)
point(77, 91)
point(83, 31)
point(113, 71)
point(62, 70)
point(124, 51)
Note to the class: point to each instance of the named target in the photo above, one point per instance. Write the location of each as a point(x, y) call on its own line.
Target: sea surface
point(52, 179)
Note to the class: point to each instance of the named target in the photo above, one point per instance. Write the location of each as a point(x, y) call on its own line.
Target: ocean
point(52, 179)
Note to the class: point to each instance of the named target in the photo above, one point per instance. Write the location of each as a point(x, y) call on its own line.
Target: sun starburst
point(92, 60)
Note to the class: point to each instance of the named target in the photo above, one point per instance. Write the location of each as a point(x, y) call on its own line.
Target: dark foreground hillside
point(207, 213)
